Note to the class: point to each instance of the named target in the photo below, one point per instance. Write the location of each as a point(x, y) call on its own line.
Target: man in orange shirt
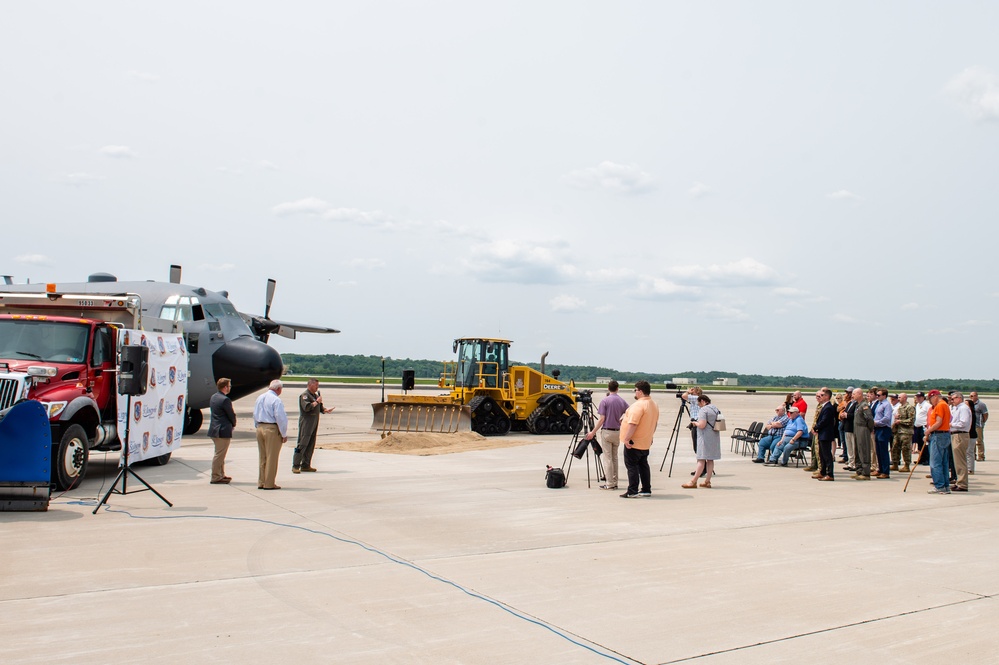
point(637, 427)
point(938, 434)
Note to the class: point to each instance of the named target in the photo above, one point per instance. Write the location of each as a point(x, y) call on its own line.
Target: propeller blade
point(174, 274)
point(270, 298)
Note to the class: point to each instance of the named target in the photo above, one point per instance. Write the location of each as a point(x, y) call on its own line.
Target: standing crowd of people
point(878, 432)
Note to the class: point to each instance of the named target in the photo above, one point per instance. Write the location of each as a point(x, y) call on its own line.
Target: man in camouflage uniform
point(901, 442)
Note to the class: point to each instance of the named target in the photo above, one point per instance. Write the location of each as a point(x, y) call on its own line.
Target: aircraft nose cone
point(250, 364)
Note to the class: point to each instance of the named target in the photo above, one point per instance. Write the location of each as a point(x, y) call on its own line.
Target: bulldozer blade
point(435, 418)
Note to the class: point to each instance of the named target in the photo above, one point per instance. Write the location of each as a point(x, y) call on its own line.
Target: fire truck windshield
point(48, 341)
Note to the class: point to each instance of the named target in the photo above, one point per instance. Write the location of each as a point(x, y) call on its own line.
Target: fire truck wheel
point(161, 460)
point(69, 463)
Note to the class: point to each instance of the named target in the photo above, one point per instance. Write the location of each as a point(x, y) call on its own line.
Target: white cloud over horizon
point(627, 179)
point(977, 90)
point(117, 152)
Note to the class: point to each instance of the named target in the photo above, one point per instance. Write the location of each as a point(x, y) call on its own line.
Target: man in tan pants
point(271, 422)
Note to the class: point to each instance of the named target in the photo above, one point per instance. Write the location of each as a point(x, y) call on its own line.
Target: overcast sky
point(761, 187)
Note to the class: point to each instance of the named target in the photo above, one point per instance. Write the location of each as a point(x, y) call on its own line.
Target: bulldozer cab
point(481, 363)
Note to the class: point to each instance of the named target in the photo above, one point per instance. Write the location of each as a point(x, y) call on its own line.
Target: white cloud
point(519, 262)
point(117, 151)
point(843, 195)
point(790, 291)
point(744, 272)
point(909, 305)
point(722, 312)
point(656, 288)
point(567, 303)
point(373, 218)
point(306, 206)
point(226, 169)
point(33, 259)
point(366, 264)
point(977, 89)
point(143, 76)
point(613, 177)
point(217, 267)
point(699, 189)
point(839, 317)
point(81, 179)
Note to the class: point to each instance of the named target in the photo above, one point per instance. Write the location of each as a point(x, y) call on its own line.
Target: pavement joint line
point(830, 629)
point(568, 636)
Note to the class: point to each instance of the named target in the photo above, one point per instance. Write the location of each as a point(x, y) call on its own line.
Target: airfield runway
point(469, 558)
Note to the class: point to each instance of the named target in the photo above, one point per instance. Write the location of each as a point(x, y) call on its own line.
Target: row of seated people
point(785, 433)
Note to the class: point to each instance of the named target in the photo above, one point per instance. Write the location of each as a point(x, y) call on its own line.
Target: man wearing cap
point(774, 430)
point(960, 424)
point(981, 417)
point(938, 437)
point(863, 423)
point(882, 433)
point(795, 436)
point(901, 442)
point(919, 424)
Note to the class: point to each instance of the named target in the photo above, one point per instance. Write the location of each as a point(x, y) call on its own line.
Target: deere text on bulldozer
point(487, 395)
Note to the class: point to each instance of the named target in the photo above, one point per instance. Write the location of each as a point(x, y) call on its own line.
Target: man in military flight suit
point(310, 406)
point(901, 444)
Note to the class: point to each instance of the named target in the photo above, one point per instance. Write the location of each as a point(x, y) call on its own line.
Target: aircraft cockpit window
point(197, 312)
point(168, 312)
point(213, 310)
point(230, 310)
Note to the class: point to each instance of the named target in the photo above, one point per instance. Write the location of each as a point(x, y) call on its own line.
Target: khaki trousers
point(959, 442)
point(218, 461)
point(269, 447)
point(612, 441)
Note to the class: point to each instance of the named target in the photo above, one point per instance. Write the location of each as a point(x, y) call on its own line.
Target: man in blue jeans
point(882, 432)
point(774, 432)
point(938, 432)
point(795, 437)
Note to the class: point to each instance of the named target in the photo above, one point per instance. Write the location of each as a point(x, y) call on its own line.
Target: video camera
point(584, 396)
point(672, 386)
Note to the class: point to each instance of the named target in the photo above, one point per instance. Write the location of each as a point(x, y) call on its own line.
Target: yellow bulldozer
point(487, 395)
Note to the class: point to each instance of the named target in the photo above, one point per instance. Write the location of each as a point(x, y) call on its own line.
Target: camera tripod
point(674, 437)
point(586, 422)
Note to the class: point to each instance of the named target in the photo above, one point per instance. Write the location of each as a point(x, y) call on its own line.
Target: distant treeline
point(371, 366)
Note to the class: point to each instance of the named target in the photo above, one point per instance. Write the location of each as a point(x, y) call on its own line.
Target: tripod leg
point(114, 483)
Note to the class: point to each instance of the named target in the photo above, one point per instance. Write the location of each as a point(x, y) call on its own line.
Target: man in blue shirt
point(882, 432)
point(271, 422)
point(774, 432)
point(795, 437)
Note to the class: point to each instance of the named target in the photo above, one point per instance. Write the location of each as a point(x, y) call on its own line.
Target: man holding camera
point(610, 410)
point(637, 427)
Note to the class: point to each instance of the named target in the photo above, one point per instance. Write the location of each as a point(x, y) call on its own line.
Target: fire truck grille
point(9, 389)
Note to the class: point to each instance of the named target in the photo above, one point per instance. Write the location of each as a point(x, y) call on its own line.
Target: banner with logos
point(154, 422)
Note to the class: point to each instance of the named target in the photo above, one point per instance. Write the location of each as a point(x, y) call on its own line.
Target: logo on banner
point(172, 374)
point(180, 345)
point(145, 441)
point(180, 404)
point(169, 436)
point(126, 338)
point(143, 342)
point(152, 377)
point(159, 410)
point(161, 345)
point(137, 411)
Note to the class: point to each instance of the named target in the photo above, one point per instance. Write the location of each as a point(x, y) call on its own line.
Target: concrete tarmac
point(469, 558)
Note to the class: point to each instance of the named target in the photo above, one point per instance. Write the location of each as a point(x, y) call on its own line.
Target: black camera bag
point(555, 478)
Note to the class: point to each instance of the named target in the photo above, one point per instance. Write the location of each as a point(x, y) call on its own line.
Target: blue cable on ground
point(387, 556)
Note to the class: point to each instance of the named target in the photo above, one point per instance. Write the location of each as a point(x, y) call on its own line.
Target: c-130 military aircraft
point(221, 341)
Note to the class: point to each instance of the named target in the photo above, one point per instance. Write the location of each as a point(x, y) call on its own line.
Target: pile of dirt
point(427, 443)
